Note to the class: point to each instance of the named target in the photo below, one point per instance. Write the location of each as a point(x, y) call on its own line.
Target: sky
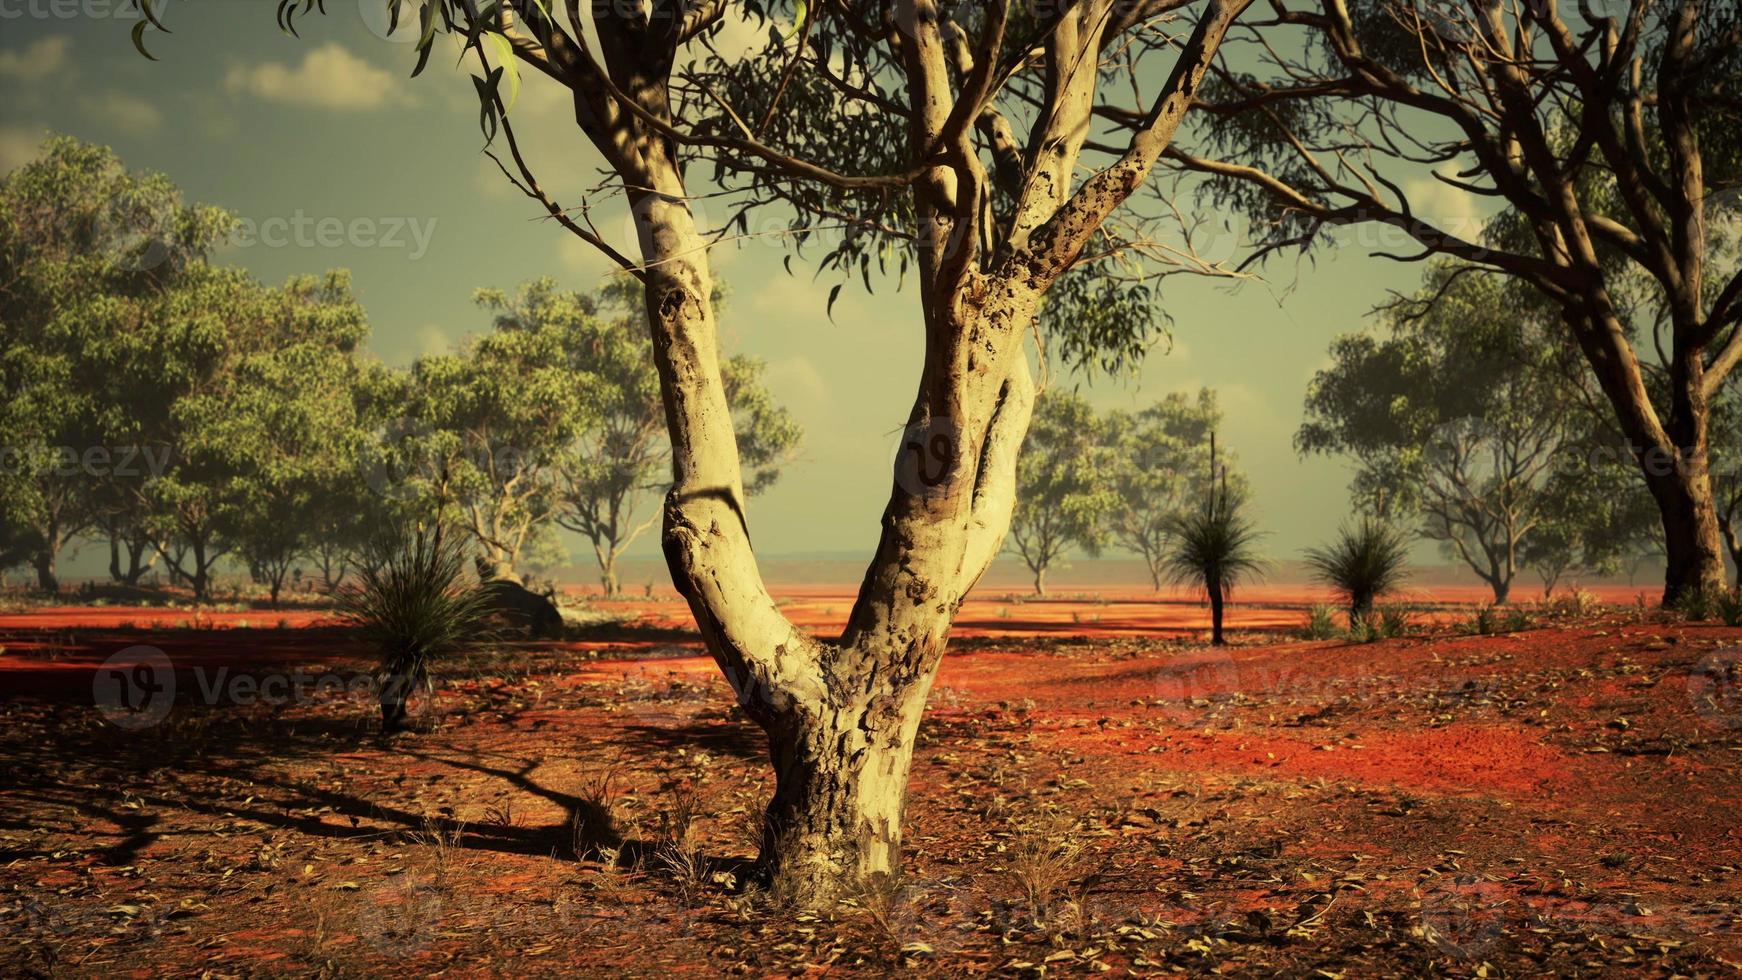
point(333, 157)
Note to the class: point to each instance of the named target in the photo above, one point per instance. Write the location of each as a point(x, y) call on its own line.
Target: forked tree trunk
point(1040, 581)
point(840, 716)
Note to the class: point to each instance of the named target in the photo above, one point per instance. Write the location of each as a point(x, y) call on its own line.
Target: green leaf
point(508, 65)
point(139, 39)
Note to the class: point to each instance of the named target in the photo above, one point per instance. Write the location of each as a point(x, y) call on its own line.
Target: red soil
point(1557, 800)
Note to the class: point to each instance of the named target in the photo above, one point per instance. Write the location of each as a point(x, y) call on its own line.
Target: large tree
point(1608, 136)
point(484, 427)
point(1458, 417)
point(291, 425)
point(84, 243)
point(1064, 488)
point(897, 122)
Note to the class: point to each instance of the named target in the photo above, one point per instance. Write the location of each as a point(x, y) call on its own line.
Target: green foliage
point(1160, 456)
point(1321, 623)
point(412, 603)
point(1395, 621)
point(1728, 607)
point(1364, 562)
point(1215, 545)
point(85, 246)
point(1063, 484)
point(1699, 605)
point(612, 452)
point(1478, 427)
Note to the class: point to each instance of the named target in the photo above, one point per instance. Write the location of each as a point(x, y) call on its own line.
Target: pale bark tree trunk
point(841, 715)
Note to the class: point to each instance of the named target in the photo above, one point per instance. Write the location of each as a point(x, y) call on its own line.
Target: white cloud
point(329, 77)
point(127, 113)
point(18, 145)
point(45, 57)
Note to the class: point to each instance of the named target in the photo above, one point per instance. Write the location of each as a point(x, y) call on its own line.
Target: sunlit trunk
point(840, 717)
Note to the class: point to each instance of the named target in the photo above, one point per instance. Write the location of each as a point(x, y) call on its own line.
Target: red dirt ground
point(1088, 796)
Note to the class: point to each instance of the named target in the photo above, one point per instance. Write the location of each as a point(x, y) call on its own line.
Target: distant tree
point(1064, 489)
point(620, 457)
point(1160, 456)
point(80, 237)
point(1214, 543)
point(484, 429)
point(1460, 417)
point(290, 424)
point(1609, 136)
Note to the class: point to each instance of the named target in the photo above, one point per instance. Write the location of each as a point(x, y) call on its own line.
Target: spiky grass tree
point(412, 602)
point(1214, 546)
point(1365, 561)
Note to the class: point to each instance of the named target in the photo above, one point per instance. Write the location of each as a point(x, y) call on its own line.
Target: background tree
point(81, 241)
point(291, 424)
point(1458, 417)
point(897, 124)
point(1063, 484)
point(1610, 144)
point(484, 428)
point(1159, 455)
point(620, 455)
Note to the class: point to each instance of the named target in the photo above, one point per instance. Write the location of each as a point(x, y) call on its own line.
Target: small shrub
point(1516, 618)
point(1728, 606)
point(1320, 623)
point(1486, 621)
point(1698, 605)
point(1362, 564)
point(1394, 621)
point(1576, 604)
point(1364, 629)
point(1044, 857)
point(411, 602)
